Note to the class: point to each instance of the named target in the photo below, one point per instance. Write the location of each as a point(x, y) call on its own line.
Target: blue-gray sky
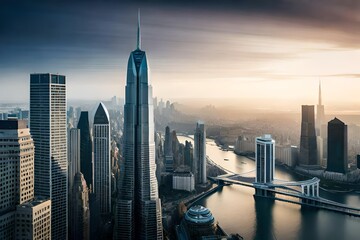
point(245, 50)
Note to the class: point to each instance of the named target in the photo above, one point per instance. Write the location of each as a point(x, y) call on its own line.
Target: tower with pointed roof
point(138, 211)
point(102, 162)
point(320, 113)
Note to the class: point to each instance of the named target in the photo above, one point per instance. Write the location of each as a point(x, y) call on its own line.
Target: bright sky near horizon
point(252, 54)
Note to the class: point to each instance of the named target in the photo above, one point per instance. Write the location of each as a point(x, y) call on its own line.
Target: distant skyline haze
point(244, 53)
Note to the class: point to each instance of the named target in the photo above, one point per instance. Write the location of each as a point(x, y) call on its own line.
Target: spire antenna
point(138, 32)
point(320, 92)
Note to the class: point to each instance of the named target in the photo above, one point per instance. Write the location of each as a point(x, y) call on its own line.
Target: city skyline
point(190, 49)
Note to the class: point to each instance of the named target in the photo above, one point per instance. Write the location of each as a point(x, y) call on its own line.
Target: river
point(236, 210)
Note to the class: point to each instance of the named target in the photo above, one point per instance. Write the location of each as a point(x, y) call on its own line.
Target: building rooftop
point(12, 124)
point(199, 215)
point(101, 115)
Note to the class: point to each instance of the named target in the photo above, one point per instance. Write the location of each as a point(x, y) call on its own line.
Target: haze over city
point(248, 54)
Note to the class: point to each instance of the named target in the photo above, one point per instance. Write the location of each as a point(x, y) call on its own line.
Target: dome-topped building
point(199, 224)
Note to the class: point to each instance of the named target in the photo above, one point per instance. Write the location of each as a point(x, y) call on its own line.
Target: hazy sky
point(245, 51)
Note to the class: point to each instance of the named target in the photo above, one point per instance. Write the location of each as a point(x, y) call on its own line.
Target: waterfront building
point(198, 223)
point(337, 146)
point(102, 161)
point(74, 155)
point(244, 145)
point(320, 114)
point(138, 213)
point(86, 160)
point(188, 154)
point(33, 220)
point(168, 151)
point(79, 224)
point(183, 181)
point(286, 154)
point(308, 148)
point(199, 164)
point(265, 159)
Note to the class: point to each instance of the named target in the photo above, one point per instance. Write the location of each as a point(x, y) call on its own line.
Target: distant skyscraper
point(48, 128)
point(265, 159)
point(102, 161)
point(139, 207)
point(199, 163)
point(320, 114)
point(308, 148)
point(79, 224)
point(337, 146)
point(168, 152)
point(86, 162)
point(17, 205)
point(74, 155)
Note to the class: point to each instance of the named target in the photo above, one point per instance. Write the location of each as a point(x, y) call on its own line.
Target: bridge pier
point(261, 192)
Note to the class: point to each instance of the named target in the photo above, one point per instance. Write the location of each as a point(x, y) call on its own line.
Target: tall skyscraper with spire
point(138, 213)
point(320, 113)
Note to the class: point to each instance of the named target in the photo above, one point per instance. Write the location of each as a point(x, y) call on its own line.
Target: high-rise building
point(74, 155)
point(102, 161)
point(86, 160)
point(49, 129)
point(265, 159)
point(308, 148)
point(79, 224)
point(139, 207)
point(199, 163)
point(33, 220)
point(337, 147)
point(320, 113)
point(168, 152)
point(17, 185)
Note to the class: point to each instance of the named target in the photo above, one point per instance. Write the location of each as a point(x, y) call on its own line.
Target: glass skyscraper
point(102, 168)
point(199, 164)
point(265, 159)
point(48, 129)
point(138, 208)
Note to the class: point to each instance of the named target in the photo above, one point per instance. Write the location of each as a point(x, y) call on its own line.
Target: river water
point(237, 211)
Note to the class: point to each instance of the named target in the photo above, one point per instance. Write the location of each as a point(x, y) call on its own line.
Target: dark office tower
point(168, 152)
point(102, 161)
point(48, 128)
point(337, 146)
point(188, 154)
point(79, 213)
point(320, 114)
point(86, 164)
point(199, 163)
point(308, 148)
point(139, 208)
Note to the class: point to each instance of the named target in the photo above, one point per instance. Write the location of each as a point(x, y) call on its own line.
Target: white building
point(49, 130)
point(265, 159)
point(183, 181)
point(286, 154)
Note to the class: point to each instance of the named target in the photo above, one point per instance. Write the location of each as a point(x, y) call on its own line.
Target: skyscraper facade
point(74, 155)
point(168, 152)
point(102, 161)
point(265, 159)
point(86, 161)
point(17, 205)
point(139, 207)
point(337, 146)
point(199, 162)
point(308, 147)
point(79, 224)
point(48, 129)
